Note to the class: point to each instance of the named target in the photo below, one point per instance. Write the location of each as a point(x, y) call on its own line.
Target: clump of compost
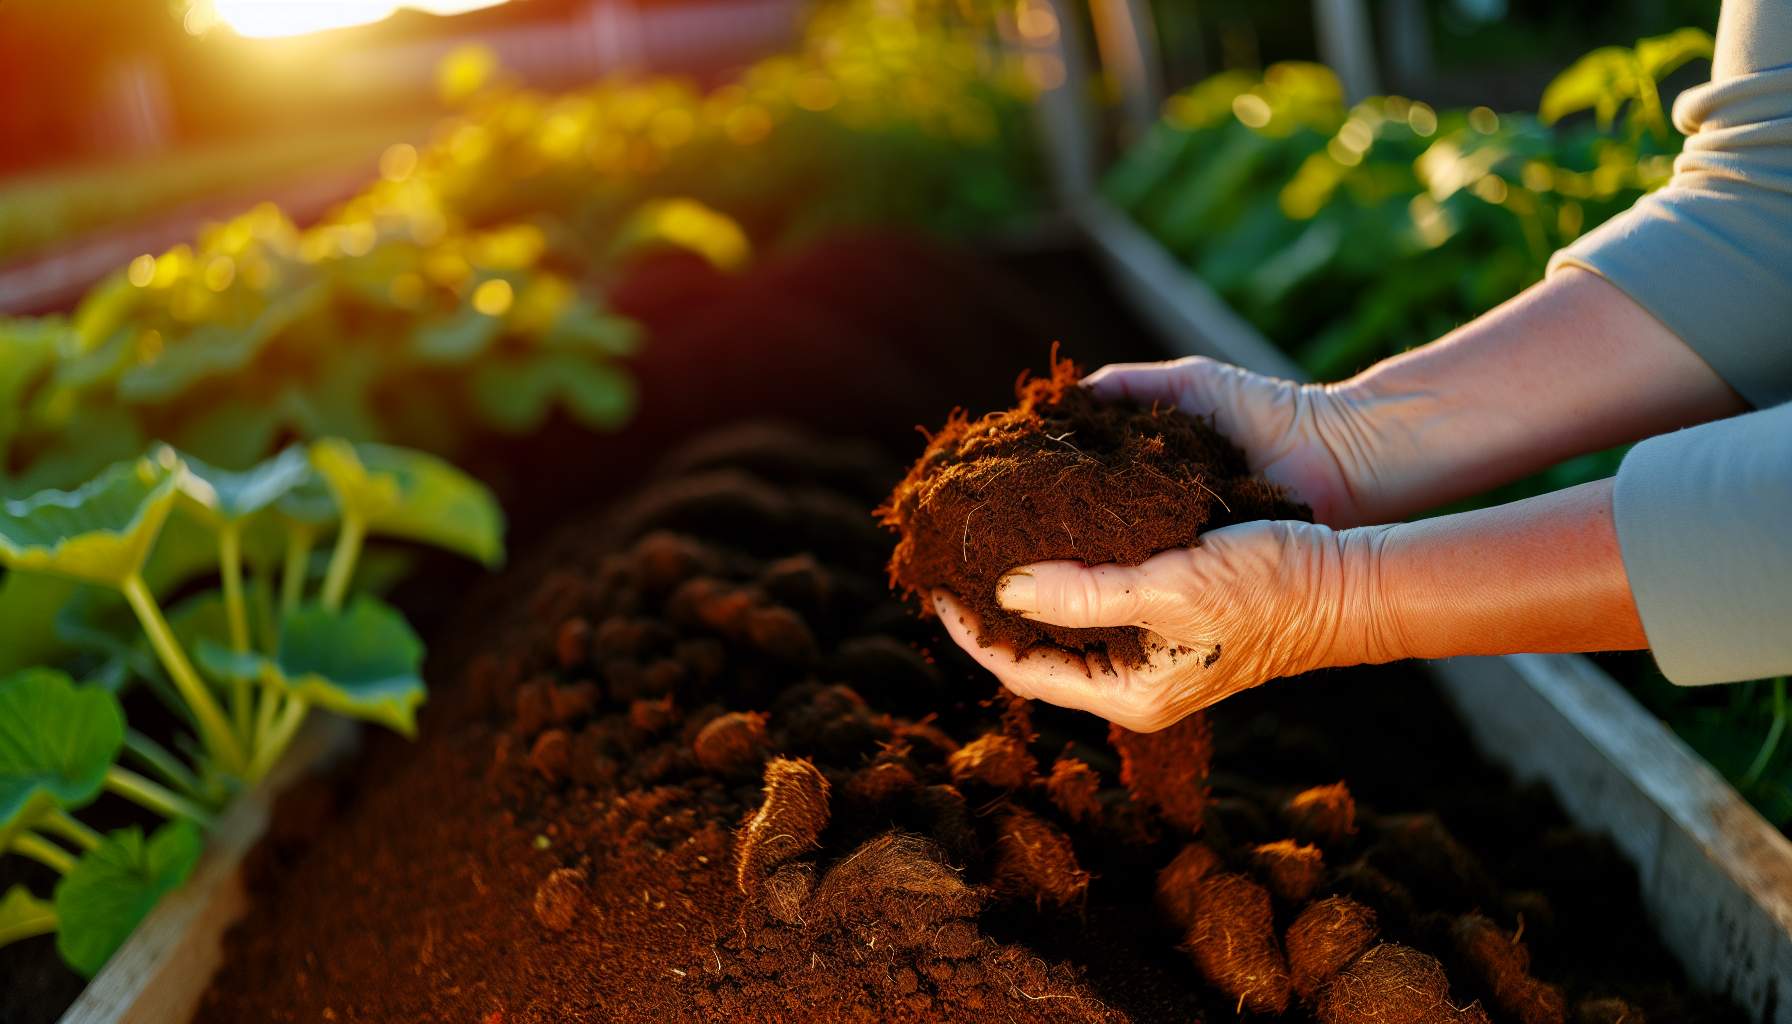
point(1065, 476)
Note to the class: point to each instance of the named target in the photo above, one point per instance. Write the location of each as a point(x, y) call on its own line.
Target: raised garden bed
point(477, 875)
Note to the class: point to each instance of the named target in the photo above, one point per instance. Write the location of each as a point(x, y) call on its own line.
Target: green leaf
point(214, 350)
point(405, 493)
point(78, 450)
point(583, 326)
point(56, 742)
point(456, 338)
point(310, 502)
point(233, 432)
point(223, 496)
point(200, 620)
point(113, 888)
point(1660, 56)
point(517, 395)
point(27, 348)
point(28, 606)
point(100, 533)
point(364, 662)
point(98, 622)
point(23, 915)
point(1600, 81)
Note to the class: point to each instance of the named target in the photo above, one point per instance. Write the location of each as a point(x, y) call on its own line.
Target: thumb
point(1075, 596)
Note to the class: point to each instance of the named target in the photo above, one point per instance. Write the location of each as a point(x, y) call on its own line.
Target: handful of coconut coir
point(1063, 475)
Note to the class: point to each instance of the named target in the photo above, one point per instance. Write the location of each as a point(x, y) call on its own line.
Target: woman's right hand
point(1324, 442)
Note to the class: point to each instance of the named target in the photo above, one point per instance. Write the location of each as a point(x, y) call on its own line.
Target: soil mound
point(1063, 476)
point(637, 806)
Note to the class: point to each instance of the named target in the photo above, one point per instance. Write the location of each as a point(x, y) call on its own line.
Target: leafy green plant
point(243, 671)
point(1347, 234)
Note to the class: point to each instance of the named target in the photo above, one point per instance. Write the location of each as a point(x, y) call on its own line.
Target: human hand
point(1254, 602)
point(1324, 442)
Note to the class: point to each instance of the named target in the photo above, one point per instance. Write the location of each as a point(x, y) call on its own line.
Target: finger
point(1077, 596)
point(1146, 383)
point(1118, 694)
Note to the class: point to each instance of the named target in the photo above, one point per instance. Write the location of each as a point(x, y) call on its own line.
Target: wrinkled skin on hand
point(1252, 602)
point(1324, 442)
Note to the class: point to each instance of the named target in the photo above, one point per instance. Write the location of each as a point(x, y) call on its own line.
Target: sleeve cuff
point(1703, 524)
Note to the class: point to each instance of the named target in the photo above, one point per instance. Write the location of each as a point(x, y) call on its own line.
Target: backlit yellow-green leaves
point(408, 494)
point(364, 662)
point(23, 915)
point(101, 532)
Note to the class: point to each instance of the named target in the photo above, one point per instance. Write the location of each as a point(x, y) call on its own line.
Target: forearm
point(1534, 576)
point(1570, 366)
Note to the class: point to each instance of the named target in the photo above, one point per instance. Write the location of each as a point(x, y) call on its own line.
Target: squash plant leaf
point(1660, 56)
point(404, 493)
point(99, 533)
point(56, 742)
point(225, 496)
point(582, 326)
point(112, 888)
point(516, 395)
point(98, 623)
point(234, 431)
point(214, 350)
point(27, 350)
point(1601, 81)
point(364, 662)
point(23, 915)
point(202, 620)
point(457, 338)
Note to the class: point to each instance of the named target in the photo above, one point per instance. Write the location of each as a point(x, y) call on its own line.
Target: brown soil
point(850, 860)
point(1063, 476)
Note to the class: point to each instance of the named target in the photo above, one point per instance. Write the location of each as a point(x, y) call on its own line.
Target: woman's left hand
point(1251, 603)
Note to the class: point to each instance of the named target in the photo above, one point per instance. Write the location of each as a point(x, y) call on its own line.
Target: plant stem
point(156, 797)
point(213, 728)
point(265, 626)
point(59, 822)
point(279, 737)
point(265, 714)
point(292, 573)
point(156, 758)
point(230, 568)
point(39, 849)
point(1764, 756)
point(20, 930)
point(342, 561)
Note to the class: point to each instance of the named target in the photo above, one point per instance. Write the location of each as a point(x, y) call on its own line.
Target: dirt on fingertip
point(1065, 476)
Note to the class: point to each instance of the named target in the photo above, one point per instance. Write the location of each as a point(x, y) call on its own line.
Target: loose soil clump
point(1064, 476)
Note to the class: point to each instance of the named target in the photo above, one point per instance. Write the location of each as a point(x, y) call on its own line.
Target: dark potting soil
point(1062, 475)
point(692, 761)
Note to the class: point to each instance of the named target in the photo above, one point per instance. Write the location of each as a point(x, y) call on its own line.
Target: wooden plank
point(1347, 45)
point(1126, 38)
point(160, 972)
point(1190, 317)
point(1716, 878)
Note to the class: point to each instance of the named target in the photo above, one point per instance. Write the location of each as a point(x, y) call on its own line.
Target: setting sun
point(263, 19)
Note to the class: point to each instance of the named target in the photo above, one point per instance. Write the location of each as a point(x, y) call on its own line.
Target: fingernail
point(1016, 592)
